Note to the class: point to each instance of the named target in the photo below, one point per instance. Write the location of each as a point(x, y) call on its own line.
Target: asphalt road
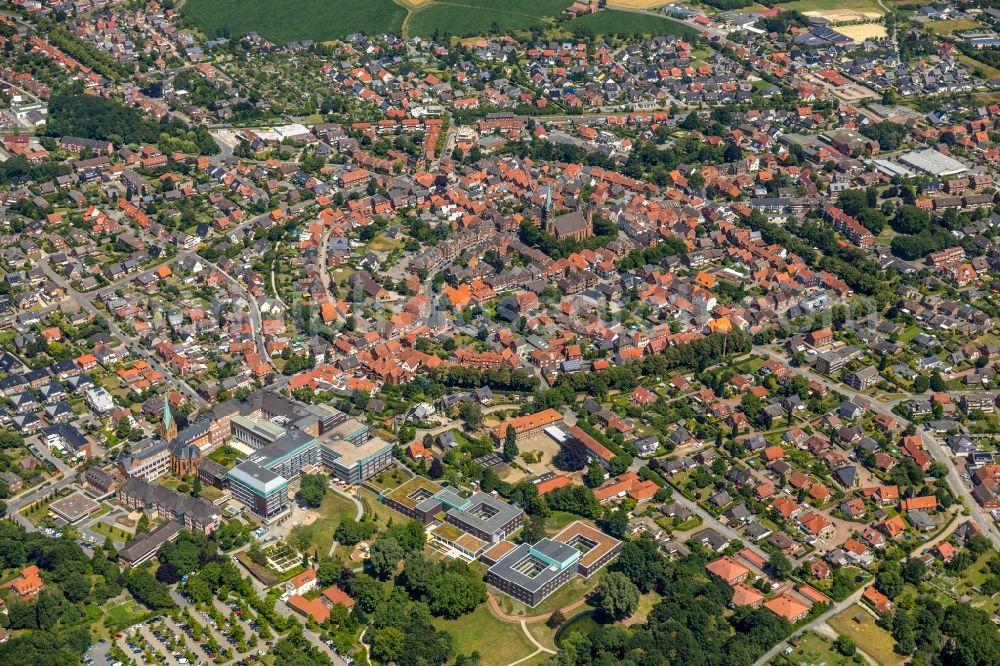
point(931, 443)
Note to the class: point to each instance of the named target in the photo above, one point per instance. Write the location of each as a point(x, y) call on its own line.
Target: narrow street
point(931, 444)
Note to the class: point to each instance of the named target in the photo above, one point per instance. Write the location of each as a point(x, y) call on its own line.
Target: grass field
point(110, 532)
point(819, 5)
point(954, 25)
point(499, 643)
point(636, 4)
point(335, 507)
point(611, 22)
point(380, 512)
point(874, 640)
point(557, 520)
point(476, 17)
point(990, 73)
point(285, 21)
point(123, 614)
point(816, 649)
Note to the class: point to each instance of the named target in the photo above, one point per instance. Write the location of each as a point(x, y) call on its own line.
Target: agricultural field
point(475, 17)
point(636, 4)
point(284, 21)
point(860, 6)
point(611, 22)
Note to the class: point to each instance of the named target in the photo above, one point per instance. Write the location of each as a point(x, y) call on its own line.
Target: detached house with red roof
point(728, 570)
point(27, 584)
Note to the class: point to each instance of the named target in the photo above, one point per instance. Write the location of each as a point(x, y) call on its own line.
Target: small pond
point(584, 622)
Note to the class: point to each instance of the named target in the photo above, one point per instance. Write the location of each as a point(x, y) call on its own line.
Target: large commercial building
point(283, 435)
point(351, 453)
point(261, 481)
point(264, 492)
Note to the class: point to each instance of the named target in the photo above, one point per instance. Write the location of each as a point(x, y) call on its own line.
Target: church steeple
point(168, 429)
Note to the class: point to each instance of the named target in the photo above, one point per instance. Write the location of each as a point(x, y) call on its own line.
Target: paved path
point(495, 607)
point(357, 505)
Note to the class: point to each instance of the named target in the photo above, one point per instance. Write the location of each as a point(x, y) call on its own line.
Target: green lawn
point(225, 455)
point(557, 520)
point(382, 243)
point(36, 512)
point(122, 615)
point(110, 532)
point(388, 479)
point(476, 17)
point(613, 22)
point(499, 643)
point(816, 649)
point(285, 21)
point(335, 508)
point(569, 593)
point(874, 640)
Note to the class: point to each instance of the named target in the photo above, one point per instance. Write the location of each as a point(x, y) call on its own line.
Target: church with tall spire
point(168, 428)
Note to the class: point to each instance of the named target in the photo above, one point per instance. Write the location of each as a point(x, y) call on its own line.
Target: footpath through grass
point(499, 643)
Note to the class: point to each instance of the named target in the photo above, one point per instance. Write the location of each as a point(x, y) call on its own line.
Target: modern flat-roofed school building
point(482, 515)
point(530, 573)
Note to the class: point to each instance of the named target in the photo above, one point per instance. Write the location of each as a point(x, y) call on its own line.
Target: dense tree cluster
point(890, 135)
point(960, 635)
point(689, 625)
point(449, 587)
point(499, 380)
point(312, 489)
point(351, 532)
point(19, 168)
point(668, 247)
point(196, 556)
point(394, 544)
point(296, 650)
point(72, 113)
point(57, 620)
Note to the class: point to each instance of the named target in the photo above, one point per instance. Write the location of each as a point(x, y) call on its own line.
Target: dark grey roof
point(179, 505)
point(146, 543)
